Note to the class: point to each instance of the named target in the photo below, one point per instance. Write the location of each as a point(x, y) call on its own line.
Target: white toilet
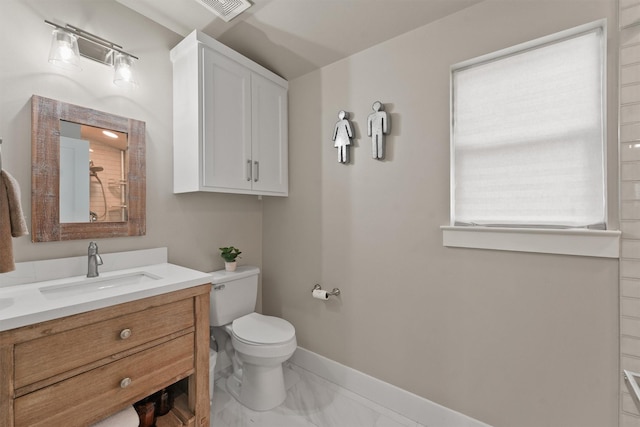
point(259, 344)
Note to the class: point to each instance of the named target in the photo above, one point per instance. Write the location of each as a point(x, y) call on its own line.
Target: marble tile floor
point(311, 402)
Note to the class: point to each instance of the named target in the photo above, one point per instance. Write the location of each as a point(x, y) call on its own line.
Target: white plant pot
point(230, 266)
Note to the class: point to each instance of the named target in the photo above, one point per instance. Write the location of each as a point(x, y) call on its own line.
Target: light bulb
point(65, 51)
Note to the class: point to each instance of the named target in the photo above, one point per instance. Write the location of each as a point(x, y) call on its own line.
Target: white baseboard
point(410, 405)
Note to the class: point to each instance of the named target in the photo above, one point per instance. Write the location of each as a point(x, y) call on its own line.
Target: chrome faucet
point(94, 260)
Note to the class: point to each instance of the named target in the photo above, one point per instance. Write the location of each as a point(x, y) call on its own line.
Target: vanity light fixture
point(123, 66)
point(64, 50)
point(69, 43)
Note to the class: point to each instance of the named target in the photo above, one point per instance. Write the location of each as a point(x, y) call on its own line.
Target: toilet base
point(265, 386)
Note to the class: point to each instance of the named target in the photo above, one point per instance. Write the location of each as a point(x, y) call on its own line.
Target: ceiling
point(294, 37)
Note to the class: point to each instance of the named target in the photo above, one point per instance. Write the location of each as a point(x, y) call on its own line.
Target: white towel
point(128, 417)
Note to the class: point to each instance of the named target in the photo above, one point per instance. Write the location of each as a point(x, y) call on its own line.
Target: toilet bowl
point(262, 344)
point(257, 344)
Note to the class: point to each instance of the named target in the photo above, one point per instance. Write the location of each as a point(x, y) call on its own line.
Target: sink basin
point(96, 284)
point(5, 303)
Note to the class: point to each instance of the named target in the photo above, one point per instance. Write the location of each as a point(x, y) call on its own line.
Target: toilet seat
point(258, 329)
point(260, 336)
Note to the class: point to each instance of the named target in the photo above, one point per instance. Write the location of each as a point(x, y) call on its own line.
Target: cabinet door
point(269, 137)
point(226, 122)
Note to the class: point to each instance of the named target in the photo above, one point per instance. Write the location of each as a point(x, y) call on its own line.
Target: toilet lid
point(260, 329)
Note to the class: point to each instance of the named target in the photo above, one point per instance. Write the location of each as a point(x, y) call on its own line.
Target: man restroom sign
point(377, 127)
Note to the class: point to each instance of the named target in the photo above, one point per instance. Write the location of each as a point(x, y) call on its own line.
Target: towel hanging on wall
point(12, 222)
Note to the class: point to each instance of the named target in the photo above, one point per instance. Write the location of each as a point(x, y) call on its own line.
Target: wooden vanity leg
point(6, 385)
point(199, 381)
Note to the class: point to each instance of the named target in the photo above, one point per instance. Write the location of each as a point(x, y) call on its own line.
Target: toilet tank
point(233, 295)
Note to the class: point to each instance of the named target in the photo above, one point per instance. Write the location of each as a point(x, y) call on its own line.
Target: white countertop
point(23, 304)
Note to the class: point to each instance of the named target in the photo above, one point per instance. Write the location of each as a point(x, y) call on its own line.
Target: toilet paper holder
point(334, 293)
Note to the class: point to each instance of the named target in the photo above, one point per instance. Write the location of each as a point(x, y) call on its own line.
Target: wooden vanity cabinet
point(77, 370)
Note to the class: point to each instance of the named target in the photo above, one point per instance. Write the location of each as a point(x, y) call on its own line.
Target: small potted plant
point(229, 255)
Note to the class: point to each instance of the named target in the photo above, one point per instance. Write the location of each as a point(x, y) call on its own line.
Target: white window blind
point(528, 130)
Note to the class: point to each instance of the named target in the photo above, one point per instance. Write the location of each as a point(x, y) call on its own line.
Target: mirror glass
point(88, 177)
point(93, 174)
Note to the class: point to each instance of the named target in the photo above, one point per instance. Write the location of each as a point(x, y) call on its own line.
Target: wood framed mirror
point(70, 213)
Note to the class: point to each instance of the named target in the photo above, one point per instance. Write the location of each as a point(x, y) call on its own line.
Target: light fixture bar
point(92, 46)
point(92, 37)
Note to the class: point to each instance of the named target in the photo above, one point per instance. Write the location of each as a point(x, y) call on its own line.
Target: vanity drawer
point(52, 355)
point(84, 399)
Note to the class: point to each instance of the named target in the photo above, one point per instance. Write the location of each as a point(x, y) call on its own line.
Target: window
point(528, 134)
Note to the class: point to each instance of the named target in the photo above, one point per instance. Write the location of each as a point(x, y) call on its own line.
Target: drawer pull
point(126, 382)
point(125, 333)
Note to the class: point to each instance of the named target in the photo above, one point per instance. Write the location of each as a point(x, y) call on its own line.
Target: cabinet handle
point(256, 164)
point(125, 333)
point(126, 382)
point(249, 170)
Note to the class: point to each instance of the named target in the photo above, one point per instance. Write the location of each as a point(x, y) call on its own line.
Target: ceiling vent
point(226, 9)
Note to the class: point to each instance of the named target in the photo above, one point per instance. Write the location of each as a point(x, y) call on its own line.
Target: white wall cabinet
point(230, 121)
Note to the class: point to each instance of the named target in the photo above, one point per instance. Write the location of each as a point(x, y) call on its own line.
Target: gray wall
point(192, 226)
point(512, 339)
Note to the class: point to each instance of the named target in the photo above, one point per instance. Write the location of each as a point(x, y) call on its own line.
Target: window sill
point(592, 243)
